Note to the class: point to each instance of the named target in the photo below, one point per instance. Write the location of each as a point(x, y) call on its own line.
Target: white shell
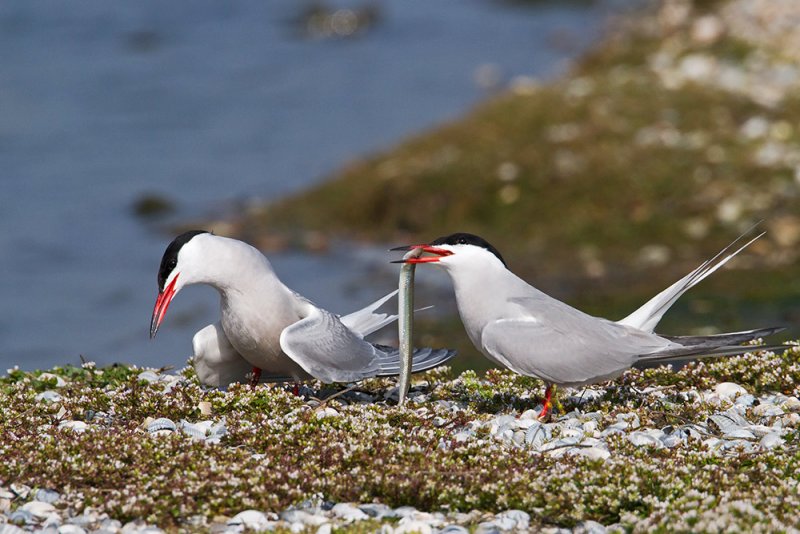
point(38, 509)
point(49, 396)
point(770, 441)
point(348, 512)
point(729, 390)
point(595, 453)
point(75, 426)
point(162, 423)
point(536, 435)
point(250, 519)
point(148, 376)
point(60, 382)
point(640, 439)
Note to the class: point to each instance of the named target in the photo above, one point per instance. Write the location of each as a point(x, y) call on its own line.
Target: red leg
point(296, 389)
point(254, 380)
point(548, 403)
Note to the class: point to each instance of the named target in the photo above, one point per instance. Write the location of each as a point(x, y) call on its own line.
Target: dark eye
point(462, 241)
point(173, 263)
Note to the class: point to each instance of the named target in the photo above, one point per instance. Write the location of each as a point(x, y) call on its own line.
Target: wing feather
point(327, 349)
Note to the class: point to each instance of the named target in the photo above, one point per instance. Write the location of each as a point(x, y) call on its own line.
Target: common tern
point(266, 326)
point(519, 327)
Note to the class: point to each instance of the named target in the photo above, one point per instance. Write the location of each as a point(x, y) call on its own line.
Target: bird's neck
point(235, 268)
point(480, 294)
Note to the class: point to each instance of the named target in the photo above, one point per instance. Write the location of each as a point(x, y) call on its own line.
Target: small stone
point(21, 517)
point(594, 453)
point(740, 433)
point(792, 405)
point(60, 382)
point(205, 408)
point(375, 510)
point(640, 439)
point(729, 390)
point(454, 529)
point(250, 519)
point(39, 509)
point(589, 527)
point(536, 436)
point(71, 529)
point(327, 412)
point(439, 422)
point(770, 441)
point(521, 519)
point(529, 414)
point(75, 426)
point(47, 495)
point(767, 410)
point(463, 435)
point(20, 490)
point(48, 396)
point(8, 528)
point(148, 376)
point(417, 527)
point(348, 512)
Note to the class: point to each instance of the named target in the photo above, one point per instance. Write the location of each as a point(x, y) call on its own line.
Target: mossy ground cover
point(279, 450)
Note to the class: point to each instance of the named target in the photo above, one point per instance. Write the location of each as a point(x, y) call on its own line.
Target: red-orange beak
point(162, 303)
point(438, 254)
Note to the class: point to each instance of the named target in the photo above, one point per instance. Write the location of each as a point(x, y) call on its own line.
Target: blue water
point(206, 102)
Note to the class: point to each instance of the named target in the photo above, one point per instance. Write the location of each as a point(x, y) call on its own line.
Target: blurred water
point(204, 102)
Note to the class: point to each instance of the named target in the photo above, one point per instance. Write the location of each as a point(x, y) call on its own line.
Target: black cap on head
point(170, 258)
point(463, 238)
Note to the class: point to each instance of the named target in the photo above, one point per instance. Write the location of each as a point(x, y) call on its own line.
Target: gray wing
point(565, 346)
point(326, 349)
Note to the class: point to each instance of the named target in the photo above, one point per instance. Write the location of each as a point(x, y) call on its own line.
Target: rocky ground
point(712, 447)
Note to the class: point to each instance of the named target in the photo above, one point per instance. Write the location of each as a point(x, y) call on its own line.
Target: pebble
point(11, 529)
point(60, 382)
point(75, 426)
point(729, 390)
point(327, 412)
point(640, 439)
point(251, 519)
point(348, 512)
point(770, 441)
point(47, 496)
point(48, 396)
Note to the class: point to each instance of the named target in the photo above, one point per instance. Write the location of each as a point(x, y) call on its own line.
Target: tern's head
point(457, 249)
point(179, 266)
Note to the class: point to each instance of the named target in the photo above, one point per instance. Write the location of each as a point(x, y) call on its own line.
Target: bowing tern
point(266, 326)
point(519, 327)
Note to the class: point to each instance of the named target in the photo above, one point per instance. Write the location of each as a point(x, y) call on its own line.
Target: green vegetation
point(279, 450)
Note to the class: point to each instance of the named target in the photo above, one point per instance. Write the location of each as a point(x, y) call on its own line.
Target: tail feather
point(694, 347)
point(647, 316)
point(364, 321)
point(423, 359)
point(731, 338)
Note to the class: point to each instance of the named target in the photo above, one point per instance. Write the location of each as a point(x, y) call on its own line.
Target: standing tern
point(266, 326)
point(519, 327)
